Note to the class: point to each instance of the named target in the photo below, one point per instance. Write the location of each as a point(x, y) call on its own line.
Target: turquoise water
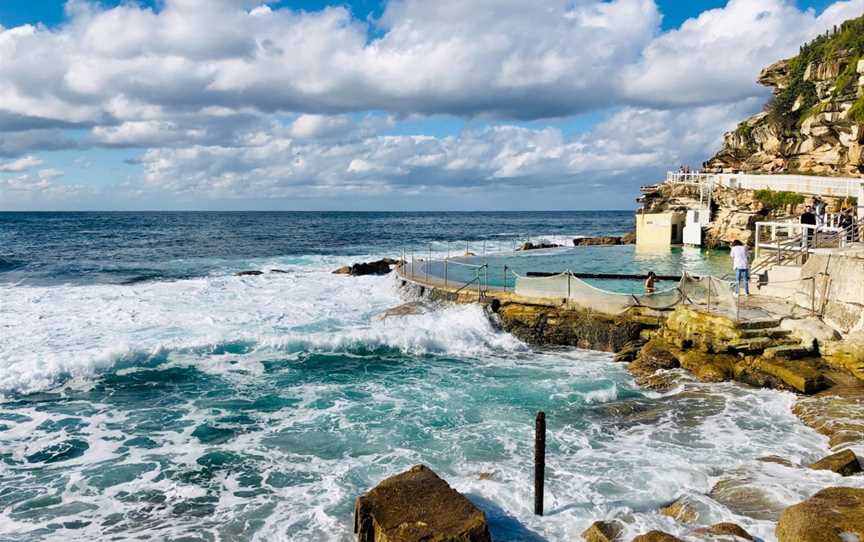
point(150, 395)
point(624, 259)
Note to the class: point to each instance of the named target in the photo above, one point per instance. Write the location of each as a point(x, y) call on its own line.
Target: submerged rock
point(844, 463)
point(681, 510)
point(835, 514)
point(248, 273)
point(837, 413)
point(725, 529)
point(417, 505)
point(603, 531)
point(656, 536)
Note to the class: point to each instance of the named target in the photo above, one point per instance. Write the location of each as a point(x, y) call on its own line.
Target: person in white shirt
point(741, 265)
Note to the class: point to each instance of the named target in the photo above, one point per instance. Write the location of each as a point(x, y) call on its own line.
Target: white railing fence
point(804, 184)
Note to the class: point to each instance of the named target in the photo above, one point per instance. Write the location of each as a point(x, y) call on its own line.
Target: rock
point(844, 463)
point(279, 271)
point(835, 514)
point(417, 505)
point(629, 238)
point(248, 273)
point(379, 267)
point(536, 246)
point(597, 241)
point(543, 325)
point(743, 496)
point(708, 367)
point(837, 413)
point(847, 354)
point(681, 510)
point(654, 356)
point(628, 353)
point(656, 536)
point(804, 376)
point(724, 529)
point(603, 531)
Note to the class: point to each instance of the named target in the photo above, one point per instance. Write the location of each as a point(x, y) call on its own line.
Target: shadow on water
point(502, 526)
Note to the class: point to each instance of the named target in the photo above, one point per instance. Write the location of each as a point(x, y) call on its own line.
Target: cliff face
point(815, 122)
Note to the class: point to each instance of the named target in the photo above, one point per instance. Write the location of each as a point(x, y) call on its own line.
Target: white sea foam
point(462, 400)
point(60, 333)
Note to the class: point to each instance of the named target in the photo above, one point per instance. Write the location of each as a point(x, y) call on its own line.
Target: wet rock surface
point(844, 463)
point(417, 505)
point(835, 514)
point(724, 529)
point(603, 531)
point(656, 536)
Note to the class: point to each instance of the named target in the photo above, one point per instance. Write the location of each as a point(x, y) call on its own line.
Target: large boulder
point(844, 463)
point(417, 506)
point(835, 514)
point(603, 531)
point(682, 510)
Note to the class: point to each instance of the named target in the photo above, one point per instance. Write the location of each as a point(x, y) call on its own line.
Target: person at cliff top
point(809, 219)
point(741, 265)
point(649, 282)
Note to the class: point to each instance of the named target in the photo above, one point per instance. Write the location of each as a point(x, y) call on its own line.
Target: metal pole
point(428, 263)
point(445, 274)
point(539, 461)
point(505, 278)
point(412, 264)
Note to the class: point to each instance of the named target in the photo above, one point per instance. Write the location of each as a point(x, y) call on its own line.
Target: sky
point(376, 104)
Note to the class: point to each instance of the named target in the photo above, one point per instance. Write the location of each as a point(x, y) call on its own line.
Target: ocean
point(148, 393)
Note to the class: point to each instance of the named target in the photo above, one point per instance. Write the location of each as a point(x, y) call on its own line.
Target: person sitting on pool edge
point(649, 282)
point(741, 265)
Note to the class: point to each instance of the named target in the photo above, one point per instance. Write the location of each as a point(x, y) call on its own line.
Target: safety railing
point(804, 184)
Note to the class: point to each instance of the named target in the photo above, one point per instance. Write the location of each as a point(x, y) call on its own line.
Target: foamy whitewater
point(217, 407)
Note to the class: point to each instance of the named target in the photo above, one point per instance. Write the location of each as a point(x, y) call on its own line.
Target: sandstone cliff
point(813, 124)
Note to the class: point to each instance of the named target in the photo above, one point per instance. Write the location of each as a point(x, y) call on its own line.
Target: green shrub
point(848, 39)
point(857, 112)
point(773, 200)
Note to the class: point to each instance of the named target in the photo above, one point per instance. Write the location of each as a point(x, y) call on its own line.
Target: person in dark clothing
point(809, 219)
point(846, 222)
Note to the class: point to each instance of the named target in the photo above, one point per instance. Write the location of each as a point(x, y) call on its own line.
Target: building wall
point(660, 229)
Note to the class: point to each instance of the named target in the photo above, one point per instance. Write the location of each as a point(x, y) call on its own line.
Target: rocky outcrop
point(656, 536)
point(379, 267)
point(603, 531)
point(249, 273)
point(724, 530)
point(835, 514)
point(844, 463)
point(417, 505)
point(681, 510)
point(566, 326)
point(608, 240)
point(813, 124)
point(535, 246)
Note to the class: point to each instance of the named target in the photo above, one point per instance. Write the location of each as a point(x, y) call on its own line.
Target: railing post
point(445, 274)
point(412, 265)
point(505, 278)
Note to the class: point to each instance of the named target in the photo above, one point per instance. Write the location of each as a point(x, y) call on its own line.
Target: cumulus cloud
point(499, 157)
point(717, 56)
point(233, 98)
point(21, 164)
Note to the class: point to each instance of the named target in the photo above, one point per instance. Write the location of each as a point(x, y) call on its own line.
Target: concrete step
point(771, 333)
point(761, 323)
point(788, 352)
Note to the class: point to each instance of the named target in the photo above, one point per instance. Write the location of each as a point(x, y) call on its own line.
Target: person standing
point(808, 219)
point(741, 265)
point(847, 222)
